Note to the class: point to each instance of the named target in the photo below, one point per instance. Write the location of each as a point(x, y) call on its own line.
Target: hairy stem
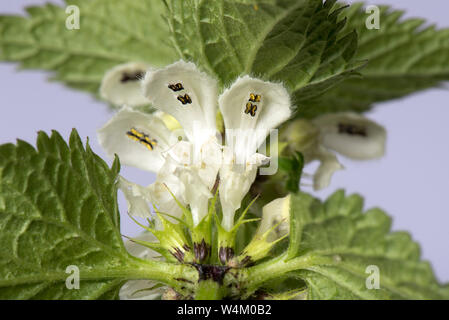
point(168, 273)
point(252, 278)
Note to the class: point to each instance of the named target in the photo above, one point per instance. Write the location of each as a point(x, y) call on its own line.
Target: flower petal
point(235, 182)
point(233, 189)
point(274, 212)
point(166, 182)
point(187, 94)
point(205, 162)
point(140, 148)
point(121, 85)
point(250, 109)
point(137, 198)
point(170, 122)
point(196, 176)
point(352, 135)
point(164, 200)
point(197, 194)
point(210, 162)
point(329, 164)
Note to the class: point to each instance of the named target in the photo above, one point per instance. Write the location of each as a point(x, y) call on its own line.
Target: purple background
point(411, 182)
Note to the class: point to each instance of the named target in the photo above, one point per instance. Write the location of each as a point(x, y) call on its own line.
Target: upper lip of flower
point(190, 96)
point(121, 84)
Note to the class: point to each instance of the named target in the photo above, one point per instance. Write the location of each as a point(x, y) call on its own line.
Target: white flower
point(347, 133)
point(187, 94)
point(352, 135)
point(328, 165)
point(275, 213)
point(136, 196)
point(121, 85)
point(250, 109)
point(166, 181)
point(245, 130)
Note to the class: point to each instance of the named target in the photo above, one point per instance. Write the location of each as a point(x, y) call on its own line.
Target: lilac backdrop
point(411, 182)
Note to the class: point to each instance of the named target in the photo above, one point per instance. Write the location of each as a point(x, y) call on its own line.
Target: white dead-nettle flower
point(250, 109)
point(352, 135)
point(121, 85)
point(347, 133)
point(265, 106)
point(275, 214)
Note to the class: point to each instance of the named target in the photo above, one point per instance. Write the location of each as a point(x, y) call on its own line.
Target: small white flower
point(137, 198)
point(121, 85)
point(349, 134)
point(189, 169)
point(352, 135)
point(250, 109)
point(276, 212)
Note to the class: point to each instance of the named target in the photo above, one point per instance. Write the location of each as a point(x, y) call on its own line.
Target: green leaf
point(299, 43)
point(111, 32)
point(346, 241)
point(58, 208)
point(404, 56)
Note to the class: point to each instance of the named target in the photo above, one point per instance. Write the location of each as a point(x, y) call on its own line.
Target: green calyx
point(172, 240)
point(226, 238)
point(202, 235)
point(207, 248)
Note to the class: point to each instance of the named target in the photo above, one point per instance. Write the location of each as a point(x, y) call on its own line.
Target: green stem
point(255, 276)
point(168, 273)
point(209, 290)
point(132, 269)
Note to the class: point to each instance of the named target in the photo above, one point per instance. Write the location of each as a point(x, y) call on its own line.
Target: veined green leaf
point(111, 32)
point(299, 43)
point(404, 56)
point(58, 209)
point(348, 242)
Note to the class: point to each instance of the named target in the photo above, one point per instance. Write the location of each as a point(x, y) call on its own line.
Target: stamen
point(176, 87)
point(254, 97)
point(142, 138)
point(185, 99)
point(252, 108)
point(352, 129)
point(132, 76)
